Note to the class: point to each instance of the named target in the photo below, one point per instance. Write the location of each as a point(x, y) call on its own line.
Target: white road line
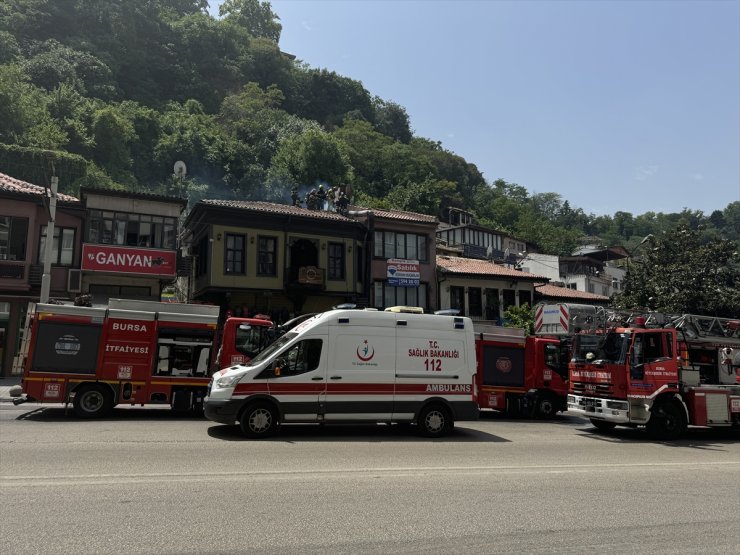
point(25, 481)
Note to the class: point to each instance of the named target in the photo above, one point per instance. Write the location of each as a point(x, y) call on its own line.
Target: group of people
point(322, 199)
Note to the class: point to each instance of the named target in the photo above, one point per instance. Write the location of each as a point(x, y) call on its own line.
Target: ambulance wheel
point(666, 421)
point(545, 406)
point(603, 425)
point(92, 401)
point(434, 421)
point(259, 421)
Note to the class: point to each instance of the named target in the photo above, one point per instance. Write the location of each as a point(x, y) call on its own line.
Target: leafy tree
point(254, 16)
point(680, 274)
point(520, 317)
point(392, 120)
point(24, 117)
point(308, 160)
point(421, 197)
point(9, 49)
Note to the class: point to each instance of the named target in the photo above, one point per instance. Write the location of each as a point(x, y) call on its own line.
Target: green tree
point(679, 274)
point(520, 317)
point(309, 159)
point(254, 16)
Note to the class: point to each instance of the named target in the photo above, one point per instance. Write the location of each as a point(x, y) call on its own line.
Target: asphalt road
point(148, 481)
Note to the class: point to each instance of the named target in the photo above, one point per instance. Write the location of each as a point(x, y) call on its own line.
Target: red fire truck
point(130, 352)
point(663, 372)
point(521, 375)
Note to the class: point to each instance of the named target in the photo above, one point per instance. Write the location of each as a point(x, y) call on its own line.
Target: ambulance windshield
point(272, 348)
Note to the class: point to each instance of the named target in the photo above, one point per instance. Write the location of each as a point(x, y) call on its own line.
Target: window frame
point(57, 245)
point(242, 251)
point(9, 246)
point(335, 261)
point(261, 252)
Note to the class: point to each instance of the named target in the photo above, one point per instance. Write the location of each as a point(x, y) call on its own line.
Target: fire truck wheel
point(434, 421)
point(92, 401)
point(603, 425)
point(666, 421)
point(259, 421)
point(545, 406)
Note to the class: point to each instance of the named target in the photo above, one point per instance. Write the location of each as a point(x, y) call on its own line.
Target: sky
point(630, 105)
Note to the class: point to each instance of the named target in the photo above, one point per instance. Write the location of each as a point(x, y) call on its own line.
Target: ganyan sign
point(128, 260)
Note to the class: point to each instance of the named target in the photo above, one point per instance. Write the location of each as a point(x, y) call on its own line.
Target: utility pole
point(49, 246)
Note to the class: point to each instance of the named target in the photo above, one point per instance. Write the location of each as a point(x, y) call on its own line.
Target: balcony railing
point(12, 270)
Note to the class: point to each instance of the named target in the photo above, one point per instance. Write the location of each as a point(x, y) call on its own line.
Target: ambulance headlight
point(227, 381)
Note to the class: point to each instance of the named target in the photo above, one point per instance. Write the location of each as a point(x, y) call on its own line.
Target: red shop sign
point(125, 260)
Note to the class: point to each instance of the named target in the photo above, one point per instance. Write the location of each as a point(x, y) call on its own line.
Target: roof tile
point(13, 185)
point(460, 265)
point(567, 293)
point(274, 208)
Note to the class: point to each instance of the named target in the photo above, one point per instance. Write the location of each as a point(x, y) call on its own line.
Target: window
point(336, 261)
point(62, 250)
point(234, 254)
point(302, 357)
point(475, 301)
point(201, 256)
point(133, 230)
point(457, 299)
point(13, 234)
point(266, 256)
point(407, 246)
point(387, 295)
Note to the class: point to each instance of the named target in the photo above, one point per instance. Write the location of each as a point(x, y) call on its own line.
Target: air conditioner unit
point(74, 280)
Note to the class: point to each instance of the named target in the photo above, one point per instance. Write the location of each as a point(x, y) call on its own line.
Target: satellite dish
point(180, 169)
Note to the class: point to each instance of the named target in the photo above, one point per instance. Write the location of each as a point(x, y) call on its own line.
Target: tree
point(520, 317)
point(309, 159)
point(254, 16)
point(679, 274)
point(392, 120)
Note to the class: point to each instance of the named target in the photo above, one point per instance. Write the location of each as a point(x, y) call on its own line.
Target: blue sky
point(614, 105)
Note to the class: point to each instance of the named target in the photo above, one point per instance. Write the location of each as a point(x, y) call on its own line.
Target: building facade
point(24, 215)
point(275, 259)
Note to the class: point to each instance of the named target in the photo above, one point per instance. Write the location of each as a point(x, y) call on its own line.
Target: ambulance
point(354, 366)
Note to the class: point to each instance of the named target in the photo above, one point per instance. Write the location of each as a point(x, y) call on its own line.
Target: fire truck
point(130, 352)
point(664, 372)
point(523, 376)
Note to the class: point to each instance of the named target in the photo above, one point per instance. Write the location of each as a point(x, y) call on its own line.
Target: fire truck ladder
point(707, 327)
point(19, 360)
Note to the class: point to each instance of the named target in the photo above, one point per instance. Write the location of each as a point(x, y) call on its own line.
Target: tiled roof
point(86, 191)
point(566, 293)
point(13, 185)
point(399, 215)
point(274, 208)
point(471, 266)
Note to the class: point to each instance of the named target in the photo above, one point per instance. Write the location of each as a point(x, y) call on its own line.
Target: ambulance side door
point(361, 373)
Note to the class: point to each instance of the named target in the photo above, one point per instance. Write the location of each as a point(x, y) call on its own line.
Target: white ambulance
point(361, 366)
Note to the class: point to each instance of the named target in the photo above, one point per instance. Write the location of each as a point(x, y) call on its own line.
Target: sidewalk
point(5, 385)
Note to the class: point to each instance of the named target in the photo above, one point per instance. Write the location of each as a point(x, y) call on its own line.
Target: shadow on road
point(299, 433)
point(562, 419)
point(47, 414)
point(708, 439)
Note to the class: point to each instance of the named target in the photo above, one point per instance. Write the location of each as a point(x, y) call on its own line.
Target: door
point(361, 373)
point(297, 379)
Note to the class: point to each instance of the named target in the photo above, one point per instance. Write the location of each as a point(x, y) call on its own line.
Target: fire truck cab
point(663, 372)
